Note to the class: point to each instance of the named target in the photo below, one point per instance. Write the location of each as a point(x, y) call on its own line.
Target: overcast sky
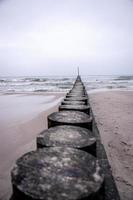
point(53, 37)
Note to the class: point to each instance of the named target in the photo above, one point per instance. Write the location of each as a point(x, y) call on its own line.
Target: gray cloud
point(48, 37)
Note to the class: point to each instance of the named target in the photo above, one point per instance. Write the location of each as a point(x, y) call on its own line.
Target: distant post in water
point(78, 70)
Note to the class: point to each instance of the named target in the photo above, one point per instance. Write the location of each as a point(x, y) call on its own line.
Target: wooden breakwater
point(70, 162)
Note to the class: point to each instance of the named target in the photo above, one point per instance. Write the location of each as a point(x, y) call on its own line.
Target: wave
point(124, 78)
point(35, 79)
point(41, 90)
point(62, 84)
point(1, 80)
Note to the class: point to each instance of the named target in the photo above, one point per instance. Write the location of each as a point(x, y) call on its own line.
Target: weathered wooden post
point(68, 136)
point(57, 173)
point(74, 118)
point(69, 163)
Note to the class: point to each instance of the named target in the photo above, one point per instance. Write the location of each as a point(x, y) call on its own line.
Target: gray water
point(63, 84)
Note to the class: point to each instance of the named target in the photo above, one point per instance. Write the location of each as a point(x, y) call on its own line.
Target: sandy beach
point(114, 116)
point(22, 117)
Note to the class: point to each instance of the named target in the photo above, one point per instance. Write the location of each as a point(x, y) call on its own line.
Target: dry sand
point(22, 117)
point(114, 116)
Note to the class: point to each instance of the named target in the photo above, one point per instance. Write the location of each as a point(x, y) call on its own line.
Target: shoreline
point(113, 113)
point(19, 137)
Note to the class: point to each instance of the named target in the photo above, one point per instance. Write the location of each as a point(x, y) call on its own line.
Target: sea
point(53, 84)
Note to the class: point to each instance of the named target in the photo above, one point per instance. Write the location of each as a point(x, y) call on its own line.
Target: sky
point(53, 37)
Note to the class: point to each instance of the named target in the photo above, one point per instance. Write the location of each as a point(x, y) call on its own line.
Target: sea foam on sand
point(22, 117)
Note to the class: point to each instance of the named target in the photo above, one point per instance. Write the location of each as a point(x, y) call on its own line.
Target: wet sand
point(22, 117)
point(114, 116)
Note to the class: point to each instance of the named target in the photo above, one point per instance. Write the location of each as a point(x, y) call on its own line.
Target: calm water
point(63, 84)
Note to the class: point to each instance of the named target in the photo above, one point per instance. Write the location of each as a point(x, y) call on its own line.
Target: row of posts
point(70, 162)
